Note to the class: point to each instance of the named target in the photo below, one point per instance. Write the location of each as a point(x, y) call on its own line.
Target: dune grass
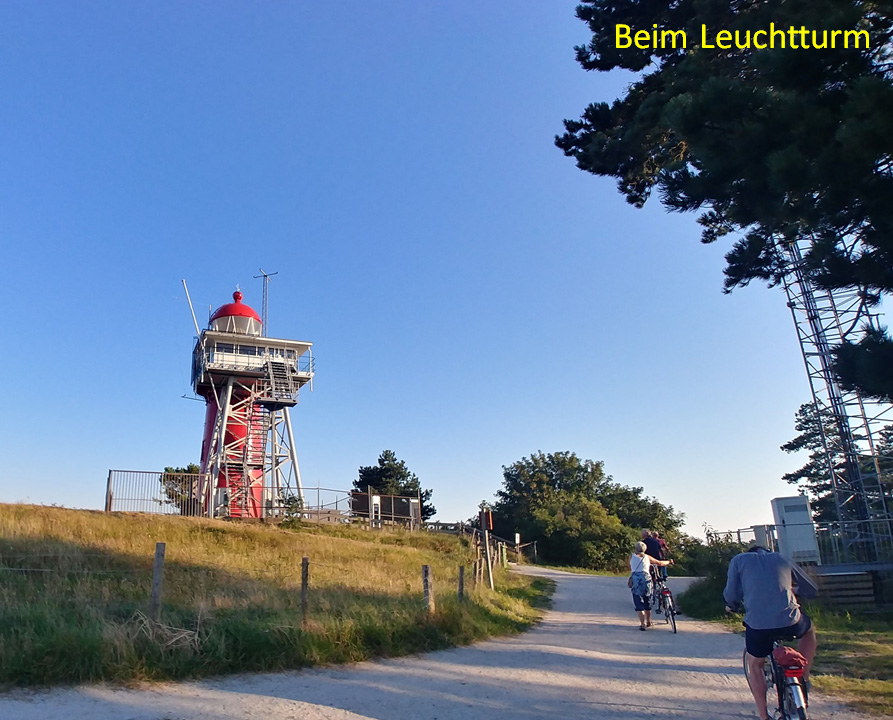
point(855, 655)
point(75, 587)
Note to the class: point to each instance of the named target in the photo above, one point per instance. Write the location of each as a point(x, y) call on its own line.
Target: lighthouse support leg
point(220, 432)
point(275, 468)
point(293, 453)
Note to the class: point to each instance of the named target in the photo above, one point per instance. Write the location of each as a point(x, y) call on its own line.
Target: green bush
point(710, 562)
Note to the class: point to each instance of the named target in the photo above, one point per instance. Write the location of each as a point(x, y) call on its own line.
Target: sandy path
point(587, 659)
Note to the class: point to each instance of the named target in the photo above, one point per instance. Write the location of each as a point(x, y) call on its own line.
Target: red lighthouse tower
point(249, 382)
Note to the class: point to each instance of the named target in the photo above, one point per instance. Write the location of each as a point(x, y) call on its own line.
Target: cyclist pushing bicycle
point(764, 582)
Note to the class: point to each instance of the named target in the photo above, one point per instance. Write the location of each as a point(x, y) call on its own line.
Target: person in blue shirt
point(764, 583)
point(652, 545)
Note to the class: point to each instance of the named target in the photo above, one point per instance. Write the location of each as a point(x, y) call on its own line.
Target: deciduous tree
point(577, 514)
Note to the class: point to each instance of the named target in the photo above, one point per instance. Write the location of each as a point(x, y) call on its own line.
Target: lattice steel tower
point(249, 463)
point(823, 320)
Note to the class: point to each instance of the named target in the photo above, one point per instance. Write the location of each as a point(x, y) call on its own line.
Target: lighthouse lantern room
point(249, 467)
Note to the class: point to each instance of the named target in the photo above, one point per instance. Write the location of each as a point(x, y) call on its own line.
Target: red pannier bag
point(791, 661)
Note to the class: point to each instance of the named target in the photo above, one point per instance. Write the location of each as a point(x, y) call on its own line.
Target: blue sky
point(472, 297)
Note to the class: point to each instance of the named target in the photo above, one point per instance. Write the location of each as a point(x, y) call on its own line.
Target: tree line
point(578, 515)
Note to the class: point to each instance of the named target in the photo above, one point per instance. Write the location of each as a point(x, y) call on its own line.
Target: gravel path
point(587, 659)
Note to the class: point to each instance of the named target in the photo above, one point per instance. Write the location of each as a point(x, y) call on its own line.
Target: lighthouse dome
point(236, 317)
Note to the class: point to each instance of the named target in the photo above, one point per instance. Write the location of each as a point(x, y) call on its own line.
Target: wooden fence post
point(157, 578)
point(428, 584)
point(305, 578)
point(461, 582)
point(489, 559)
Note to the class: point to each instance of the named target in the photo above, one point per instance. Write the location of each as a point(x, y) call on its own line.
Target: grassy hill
point(75, 587)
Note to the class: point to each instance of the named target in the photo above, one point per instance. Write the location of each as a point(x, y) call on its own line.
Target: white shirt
point(640, 564)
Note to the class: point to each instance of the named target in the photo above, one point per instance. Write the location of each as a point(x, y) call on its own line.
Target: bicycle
point(663, 601)
point(791, 694)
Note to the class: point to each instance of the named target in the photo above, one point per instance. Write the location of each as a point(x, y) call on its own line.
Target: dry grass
point(74, 587)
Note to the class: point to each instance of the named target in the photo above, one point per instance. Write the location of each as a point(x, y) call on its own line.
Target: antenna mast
point(189, 300)
point(266, 277)
point(823, 319)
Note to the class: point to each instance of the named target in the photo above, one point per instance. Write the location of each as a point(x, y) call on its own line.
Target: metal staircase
point(282, 386)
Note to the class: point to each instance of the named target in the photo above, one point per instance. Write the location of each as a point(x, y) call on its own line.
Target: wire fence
point(177, 494)
point(69, 563)
point(147, 576)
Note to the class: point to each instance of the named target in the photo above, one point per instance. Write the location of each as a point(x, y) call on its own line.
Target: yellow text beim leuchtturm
point(793, 38)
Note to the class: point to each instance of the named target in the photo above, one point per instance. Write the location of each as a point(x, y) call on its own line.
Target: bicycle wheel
point(670, 609)
point(794, 702)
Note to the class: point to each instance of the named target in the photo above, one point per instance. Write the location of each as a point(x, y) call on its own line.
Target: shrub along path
point(586, 659)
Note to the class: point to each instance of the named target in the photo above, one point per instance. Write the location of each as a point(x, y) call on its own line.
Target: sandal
point(641, 627)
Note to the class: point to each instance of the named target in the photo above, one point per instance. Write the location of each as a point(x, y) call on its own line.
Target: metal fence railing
point(176, 494)
point(140, 491)
point(834, 543)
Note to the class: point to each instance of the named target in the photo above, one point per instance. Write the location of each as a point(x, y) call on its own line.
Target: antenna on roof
point(188, 299)
point(266, 277)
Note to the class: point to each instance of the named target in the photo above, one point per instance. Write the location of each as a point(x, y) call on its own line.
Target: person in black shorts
point(763, 582)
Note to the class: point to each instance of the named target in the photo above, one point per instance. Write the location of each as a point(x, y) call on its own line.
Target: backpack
point(788, 657)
